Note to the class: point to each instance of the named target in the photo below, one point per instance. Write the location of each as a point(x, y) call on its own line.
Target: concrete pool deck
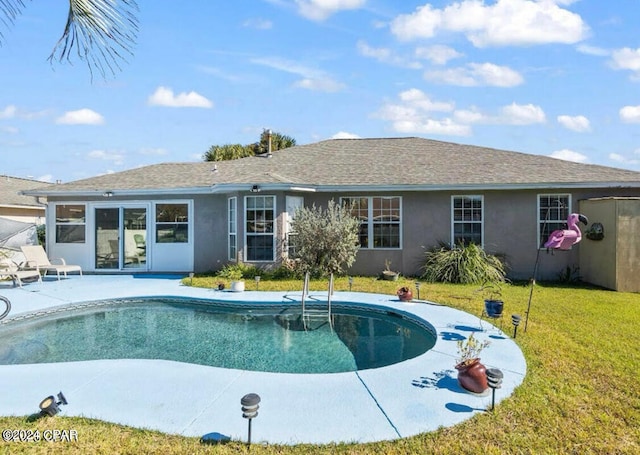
point(397, 401)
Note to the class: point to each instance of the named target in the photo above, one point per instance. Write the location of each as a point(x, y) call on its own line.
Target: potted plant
point(493, 303)
point(234, 274)
point(471, 373)
point(387, 273)
point(405, 294)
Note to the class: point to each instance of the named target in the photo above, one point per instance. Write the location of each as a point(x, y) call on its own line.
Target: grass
point(581, 394)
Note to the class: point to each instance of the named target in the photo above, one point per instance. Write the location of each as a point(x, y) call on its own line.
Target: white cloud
point(630, 114)
point(116, 157)
point(569, 155)
point(503, 23)
point(623, 159)
point(626, 59)
point(437, 54)
point(476, 74)
point(258, 24)
point(319, 10)
point(312, 79)
point(8, 112)
point(384, 55)
point(345, 135)
point(414, 114)
point(592, 50)
point(9, 129)
point(578, 123)
point(522, 114)
point(164, 96)
point(81, 117)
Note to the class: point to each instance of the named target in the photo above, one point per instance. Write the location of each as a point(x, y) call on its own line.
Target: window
point(232, 228)
point(260, 228)
point(70, 223)
point(172, 223)
point(466, 220)
point(553, 211)
point(379, 220)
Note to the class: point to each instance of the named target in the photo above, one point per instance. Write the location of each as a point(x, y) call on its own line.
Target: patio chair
point(36, 256)
point(9, 269)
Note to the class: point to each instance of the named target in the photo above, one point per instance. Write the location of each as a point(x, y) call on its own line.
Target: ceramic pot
point(405, 296)
point(237, 286)
point(472, 376)
point(493, 308)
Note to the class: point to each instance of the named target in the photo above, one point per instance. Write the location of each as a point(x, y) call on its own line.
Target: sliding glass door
point(121, 238)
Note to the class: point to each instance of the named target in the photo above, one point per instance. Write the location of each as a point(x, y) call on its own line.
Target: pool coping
point(396, 401)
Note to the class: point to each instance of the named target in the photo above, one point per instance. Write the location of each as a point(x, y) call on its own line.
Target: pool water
point(271, 338)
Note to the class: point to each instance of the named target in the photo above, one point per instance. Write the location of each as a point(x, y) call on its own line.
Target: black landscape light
point(515, 320)
point(250, 407)
point(50, 406)
point(418, 289)
point(494, 380)
point(350, 283)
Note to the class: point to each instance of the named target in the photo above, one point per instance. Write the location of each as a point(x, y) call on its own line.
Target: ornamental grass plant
point(581, 394)
point(464, 263)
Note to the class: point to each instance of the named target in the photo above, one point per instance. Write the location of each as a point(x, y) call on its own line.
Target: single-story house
point(16, 206)
point(409, 193)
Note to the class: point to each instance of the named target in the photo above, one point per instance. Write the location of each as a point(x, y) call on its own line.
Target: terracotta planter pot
point(405, 296)
point(472, 376)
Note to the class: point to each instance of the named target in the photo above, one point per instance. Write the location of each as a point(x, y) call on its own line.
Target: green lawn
point(581, 394)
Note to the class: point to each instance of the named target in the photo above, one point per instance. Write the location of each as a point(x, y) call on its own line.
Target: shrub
point(468, 264)
point(326, 240)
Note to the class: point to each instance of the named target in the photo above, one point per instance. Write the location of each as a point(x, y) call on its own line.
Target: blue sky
point(550, 77)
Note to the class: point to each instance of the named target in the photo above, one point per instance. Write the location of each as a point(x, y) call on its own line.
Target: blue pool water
point(270, 338)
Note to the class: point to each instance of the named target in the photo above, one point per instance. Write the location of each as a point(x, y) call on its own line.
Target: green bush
point(467, 264)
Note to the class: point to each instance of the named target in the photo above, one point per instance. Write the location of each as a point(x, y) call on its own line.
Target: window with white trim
point(467, 220)
point(553, 211)
point(172, 223)
point(70, 223)
point(380, 220)
point(260, 217)
point(233, 228)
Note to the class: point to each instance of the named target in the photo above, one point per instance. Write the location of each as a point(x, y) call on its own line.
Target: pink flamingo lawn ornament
point(564, 239)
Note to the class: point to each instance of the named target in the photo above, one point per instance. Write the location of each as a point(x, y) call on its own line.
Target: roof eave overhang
point(224, 188)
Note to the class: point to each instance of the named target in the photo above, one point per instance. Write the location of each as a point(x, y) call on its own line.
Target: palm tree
point(99, 32)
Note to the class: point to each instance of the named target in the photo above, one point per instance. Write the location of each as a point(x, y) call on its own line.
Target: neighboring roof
point(11, 189)
point(359, 164)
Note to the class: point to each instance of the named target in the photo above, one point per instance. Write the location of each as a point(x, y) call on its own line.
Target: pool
point(255, 337)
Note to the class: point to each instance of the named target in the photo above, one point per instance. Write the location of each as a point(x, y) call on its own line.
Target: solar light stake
point(418, 289)
point(494, 380)
point(515, 320)
point(250, 407)
point(257, 278)
point(191, 277)
point(50, 406)
point(350, 283)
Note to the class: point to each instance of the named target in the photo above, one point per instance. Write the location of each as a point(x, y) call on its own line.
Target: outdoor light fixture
point(255, 189)
point(257, 278)
point(418, 289)
point(107, 194)
point(515, 320)
point(191, 277)
point(250, 407)
point(350, 283)
point(50, 406)
point(494, 380)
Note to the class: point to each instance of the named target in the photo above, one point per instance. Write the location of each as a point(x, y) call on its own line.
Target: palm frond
point(102, 33)
point(9, 10)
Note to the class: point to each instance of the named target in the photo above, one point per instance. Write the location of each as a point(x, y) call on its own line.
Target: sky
point(557, 78)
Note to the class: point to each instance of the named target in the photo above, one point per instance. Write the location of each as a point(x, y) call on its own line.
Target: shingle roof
point(383, 163)
point(11, 188)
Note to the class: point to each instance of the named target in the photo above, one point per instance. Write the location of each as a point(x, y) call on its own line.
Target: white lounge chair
point(36, 256)
point(9, 269)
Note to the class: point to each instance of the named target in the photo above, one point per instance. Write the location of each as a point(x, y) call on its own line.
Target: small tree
point(326, 240)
